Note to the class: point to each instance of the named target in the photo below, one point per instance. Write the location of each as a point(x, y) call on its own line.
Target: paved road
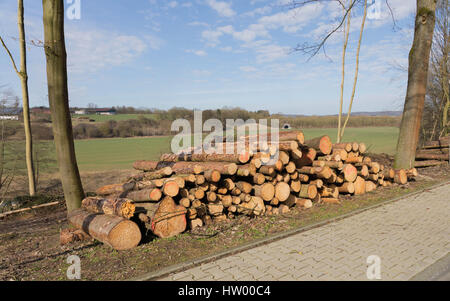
point(407, 236)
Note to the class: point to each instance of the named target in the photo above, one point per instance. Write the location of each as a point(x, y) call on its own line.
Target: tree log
point(429, 163)
point(305, 203)
point(360, 186)
point(115, 231)
point(282, 191)
point(144, 195)
point(344, 146)
point(265, 191)
point(255, 206)
point(370, 186)
point(308, 191)
point(169, 219)
point(308, 156)
point(322, 144)
point(400, 177)
point(347, 187)
point(330, 201)
point(112, 206)
point(428, 156)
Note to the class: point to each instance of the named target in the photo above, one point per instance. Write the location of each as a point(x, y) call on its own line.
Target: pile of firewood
point(433, 153)
point(189, 189)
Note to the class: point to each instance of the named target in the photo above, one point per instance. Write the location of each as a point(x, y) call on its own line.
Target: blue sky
point(206, 54)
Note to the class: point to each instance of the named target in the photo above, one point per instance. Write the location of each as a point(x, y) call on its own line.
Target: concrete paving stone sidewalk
point(407, 235)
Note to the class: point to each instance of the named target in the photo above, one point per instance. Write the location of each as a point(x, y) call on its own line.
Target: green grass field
point(377, 139)
point(120, 153)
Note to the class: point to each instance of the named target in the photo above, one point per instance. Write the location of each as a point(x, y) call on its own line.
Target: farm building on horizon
point(96, 111)
point(10, 113)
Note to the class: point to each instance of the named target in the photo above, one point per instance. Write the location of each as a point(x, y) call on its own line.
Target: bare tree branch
point(312, 50)
point(10, 56)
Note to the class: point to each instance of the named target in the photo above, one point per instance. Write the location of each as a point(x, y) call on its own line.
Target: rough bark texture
point(55, 52)
point(112, 206)
point(417, 84)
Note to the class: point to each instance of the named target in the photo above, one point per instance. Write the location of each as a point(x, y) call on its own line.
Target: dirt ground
point(30, 249)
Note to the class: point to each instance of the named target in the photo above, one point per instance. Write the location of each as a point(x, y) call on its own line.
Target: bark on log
point(305, 203)
point(282, 136)
point(308, 156)
point(144, 195)
point(219, 156)
point(67, 236)
point(157, 174)
point(115, 231)
point(429, 163)
point(112, 206)
point(344, 146)
point(308, 192)
point(115, 189)
point(441, 143)
point(330, 201)
point(428, 156)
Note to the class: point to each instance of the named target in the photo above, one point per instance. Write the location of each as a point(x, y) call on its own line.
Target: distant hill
point(380, 113)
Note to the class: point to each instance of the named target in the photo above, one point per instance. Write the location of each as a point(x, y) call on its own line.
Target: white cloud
point(154, 42)
point(197, 23)
point(222, 8)
point(258, 11)
point(212, 37)
point(197, 52)
point(294, 19)
point(92, 50)
point(271, 52)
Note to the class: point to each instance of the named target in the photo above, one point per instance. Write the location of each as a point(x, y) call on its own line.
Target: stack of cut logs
point(433, 153)
point(190, 189)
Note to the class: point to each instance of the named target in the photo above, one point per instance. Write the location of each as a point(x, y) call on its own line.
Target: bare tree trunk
point(55, 51)
point(26, 104)
point(356, 72)
point(344, 51)
point(23, 75)
point(419, 57)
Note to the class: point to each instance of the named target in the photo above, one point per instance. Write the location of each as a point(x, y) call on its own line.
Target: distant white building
point(10, 113)
point(80, 112)
point(9, 117)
